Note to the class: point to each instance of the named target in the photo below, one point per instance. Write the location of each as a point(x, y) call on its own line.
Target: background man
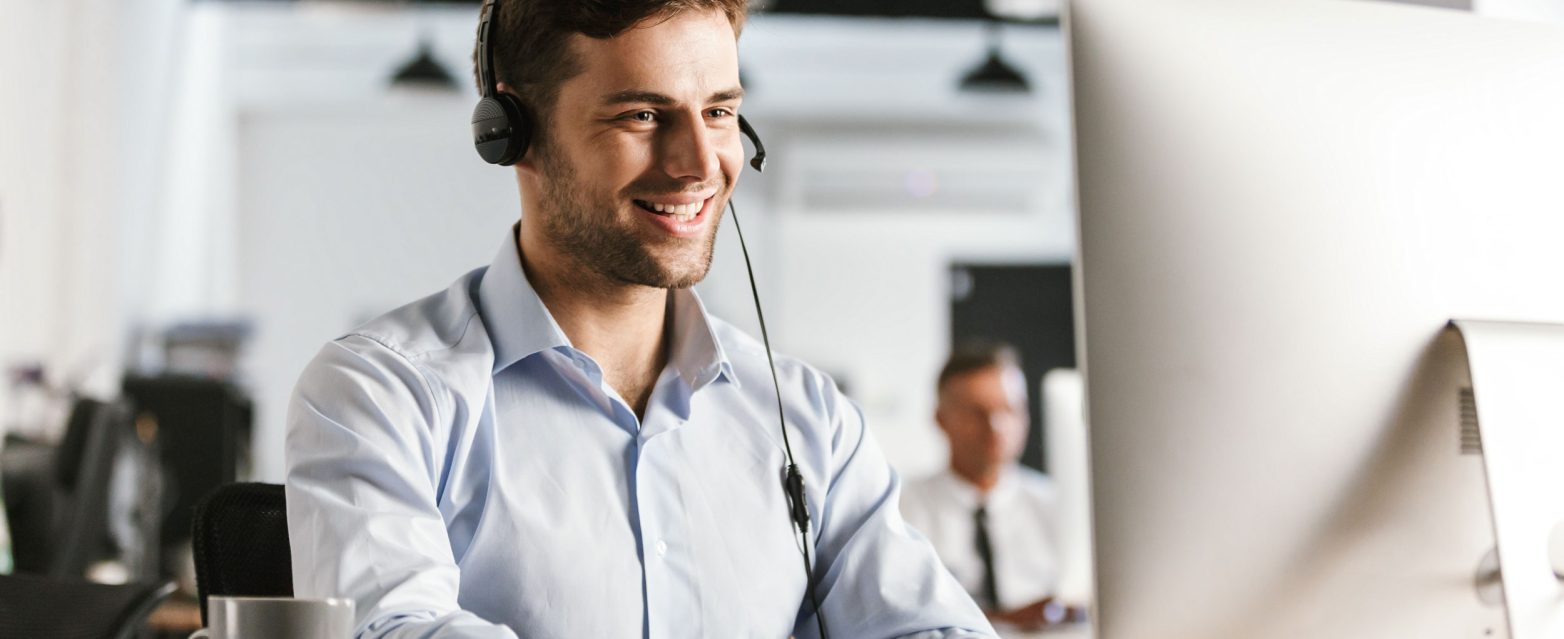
point(564, 443)
point(991, 519)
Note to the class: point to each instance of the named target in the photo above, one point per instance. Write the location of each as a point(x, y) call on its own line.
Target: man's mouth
point(680, 212)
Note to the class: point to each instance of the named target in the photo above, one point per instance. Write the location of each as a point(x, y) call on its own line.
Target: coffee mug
point(277, 618)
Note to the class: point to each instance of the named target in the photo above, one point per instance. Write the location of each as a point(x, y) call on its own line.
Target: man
point(564, 443)
point(991, 520)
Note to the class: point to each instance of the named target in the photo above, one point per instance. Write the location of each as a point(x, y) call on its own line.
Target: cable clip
point(795, 498)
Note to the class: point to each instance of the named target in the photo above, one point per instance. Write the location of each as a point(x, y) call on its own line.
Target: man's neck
point(981, 480)
point(621, 326)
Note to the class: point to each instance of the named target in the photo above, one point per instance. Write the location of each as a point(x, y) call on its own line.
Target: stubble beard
point(590, 234)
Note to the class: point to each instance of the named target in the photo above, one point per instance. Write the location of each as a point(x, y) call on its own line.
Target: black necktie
point(985, 549)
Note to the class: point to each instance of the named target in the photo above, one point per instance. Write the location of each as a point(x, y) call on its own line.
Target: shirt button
point(662, 548)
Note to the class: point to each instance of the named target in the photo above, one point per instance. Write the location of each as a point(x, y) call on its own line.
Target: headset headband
point(485, 50)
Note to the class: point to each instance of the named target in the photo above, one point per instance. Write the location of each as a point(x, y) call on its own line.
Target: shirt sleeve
point(877, 576)
point(362, 467)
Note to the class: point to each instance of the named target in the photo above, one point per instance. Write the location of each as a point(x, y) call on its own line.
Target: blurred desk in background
point(175, 618)
point(1068, 631)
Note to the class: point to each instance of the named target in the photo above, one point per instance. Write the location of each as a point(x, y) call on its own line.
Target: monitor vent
point(1471, 439)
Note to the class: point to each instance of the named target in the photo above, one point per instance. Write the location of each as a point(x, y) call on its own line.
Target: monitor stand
point(1517, 378)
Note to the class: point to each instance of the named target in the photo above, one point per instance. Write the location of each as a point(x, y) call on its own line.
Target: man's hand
point(1038, 615)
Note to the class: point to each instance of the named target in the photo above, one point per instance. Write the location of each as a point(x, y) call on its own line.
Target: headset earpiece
point(501, 129)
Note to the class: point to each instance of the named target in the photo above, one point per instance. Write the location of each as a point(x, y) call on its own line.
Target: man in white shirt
point(564, 443)
point(991, 520)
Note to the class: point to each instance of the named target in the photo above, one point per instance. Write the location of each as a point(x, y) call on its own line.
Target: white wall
point(32, 52)
point(82, 84)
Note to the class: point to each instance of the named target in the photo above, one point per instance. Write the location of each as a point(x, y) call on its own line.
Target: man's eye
point(719, 113)
point(643, 116)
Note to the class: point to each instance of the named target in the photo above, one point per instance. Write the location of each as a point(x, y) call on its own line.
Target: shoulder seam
point(423, 375)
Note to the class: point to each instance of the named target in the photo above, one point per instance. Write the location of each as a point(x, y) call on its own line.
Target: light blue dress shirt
point(457, 469)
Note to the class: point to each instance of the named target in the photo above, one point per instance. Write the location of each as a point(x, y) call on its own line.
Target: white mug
point(276, 618)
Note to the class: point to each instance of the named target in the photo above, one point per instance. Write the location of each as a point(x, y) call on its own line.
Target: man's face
point(983, 413)
point(644, 150)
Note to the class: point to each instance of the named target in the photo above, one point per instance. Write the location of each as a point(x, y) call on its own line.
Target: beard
point(589, 229)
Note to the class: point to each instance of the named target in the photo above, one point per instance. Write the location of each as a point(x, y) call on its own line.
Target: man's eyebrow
point(637, 97)
point(652, 97)
point(726, 96)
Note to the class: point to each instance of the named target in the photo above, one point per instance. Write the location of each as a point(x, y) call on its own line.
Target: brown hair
point(977, 355)
point(531, 40)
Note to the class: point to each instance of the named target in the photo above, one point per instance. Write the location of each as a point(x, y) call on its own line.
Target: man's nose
point(997, 422)
point(689, 152)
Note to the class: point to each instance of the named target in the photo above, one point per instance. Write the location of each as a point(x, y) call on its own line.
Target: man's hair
point(531, 41)
point(977, 355)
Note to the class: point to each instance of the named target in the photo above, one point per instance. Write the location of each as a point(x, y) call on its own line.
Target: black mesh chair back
point(84, 465)
point(240, 541)
point(73, 444)
point(203, 430)
point(38, 606)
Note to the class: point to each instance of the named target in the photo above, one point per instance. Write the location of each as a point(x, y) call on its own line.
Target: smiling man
point(564, 443)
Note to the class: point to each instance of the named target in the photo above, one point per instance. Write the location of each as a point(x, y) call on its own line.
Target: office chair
point(240, 541)
point(203, 434)
point(31, 502)
point(57, 496)
point(84, 465)
point(37, 606)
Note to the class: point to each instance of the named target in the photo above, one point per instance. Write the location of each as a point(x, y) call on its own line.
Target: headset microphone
point(759, 161)
point(502, 131)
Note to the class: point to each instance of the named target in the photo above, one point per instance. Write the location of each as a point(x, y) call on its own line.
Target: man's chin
point(665, 276)
point(685, 266)
point(685, 279)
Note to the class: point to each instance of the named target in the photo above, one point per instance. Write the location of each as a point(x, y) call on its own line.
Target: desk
point(1070, 631)
point(178, 615)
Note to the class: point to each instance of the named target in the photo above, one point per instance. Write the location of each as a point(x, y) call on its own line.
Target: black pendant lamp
point(995, 74)
point(423, 70)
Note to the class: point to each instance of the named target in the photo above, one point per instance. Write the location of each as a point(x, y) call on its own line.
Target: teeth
point(683, 212)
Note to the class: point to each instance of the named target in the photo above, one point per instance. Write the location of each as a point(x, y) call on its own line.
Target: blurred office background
point(195, 195)
point(251, 175)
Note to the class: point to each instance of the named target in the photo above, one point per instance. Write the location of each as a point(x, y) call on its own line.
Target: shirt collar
point(520, 325)
point(697, 356)
point(967, 495)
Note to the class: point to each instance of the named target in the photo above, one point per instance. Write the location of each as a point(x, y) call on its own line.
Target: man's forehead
point(691, 54)
point(1004, 379)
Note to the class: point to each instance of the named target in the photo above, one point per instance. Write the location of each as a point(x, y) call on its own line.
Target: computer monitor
point(1282, 204)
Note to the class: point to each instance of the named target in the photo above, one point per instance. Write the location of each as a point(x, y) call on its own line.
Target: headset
point(502, 131)
point(501, 126)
